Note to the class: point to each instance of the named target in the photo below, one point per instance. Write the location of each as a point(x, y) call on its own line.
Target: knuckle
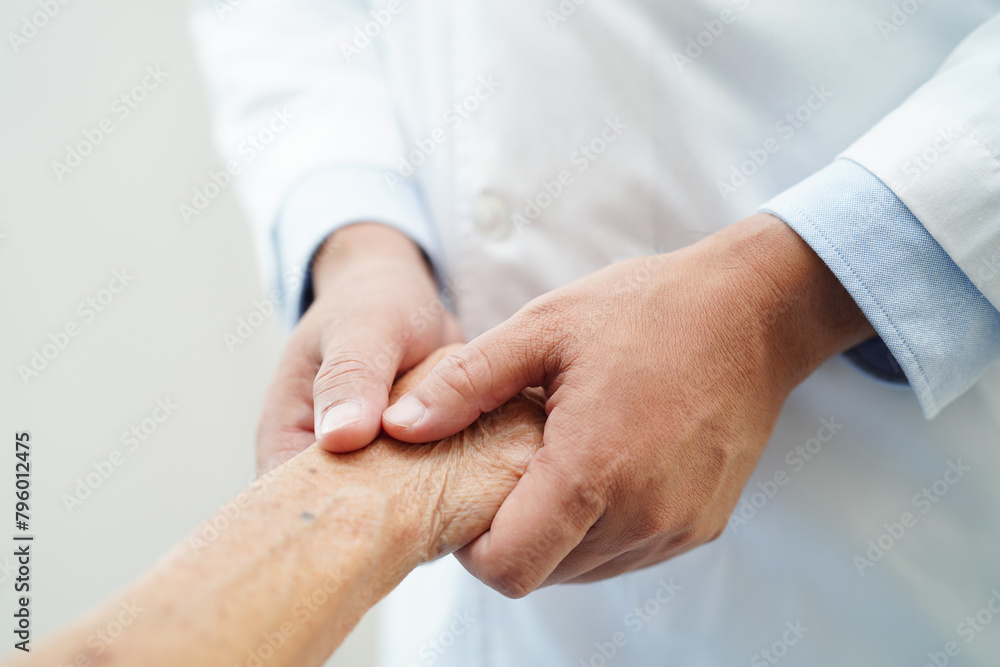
point(687, 538)
point(697, 534)
point(716, 534)
point(511, 579)
point(547, 307)
point(548, 317)
point(468, 373)
point(682, 527)
point(649, 525)
point(346, 367)
point(587, 497)
point(584, 491)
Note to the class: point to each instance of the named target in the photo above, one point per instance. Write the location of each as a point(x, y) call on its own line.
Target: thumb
point(351, 390)
point(478, 378)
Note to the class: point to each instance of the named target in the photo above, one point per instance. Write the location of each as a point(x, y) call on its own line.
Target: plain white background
point(159, 338)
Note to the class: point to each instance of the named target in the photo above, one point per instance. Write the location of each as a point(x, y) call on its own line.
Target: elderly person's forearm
point(287, 568)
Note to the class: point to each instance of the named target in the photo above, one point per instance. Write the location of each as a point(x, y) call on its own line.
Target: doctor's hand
point(664, 377)
point(375, 315)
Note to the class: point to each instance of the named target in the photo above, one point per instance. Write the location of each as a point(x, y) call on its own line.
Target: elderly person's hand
point(285, 570)
point(664, 379)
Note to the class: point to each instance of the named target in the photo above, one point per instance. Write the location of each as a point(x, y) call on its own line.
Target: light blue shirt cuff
point(938, 327)
point(333, 198)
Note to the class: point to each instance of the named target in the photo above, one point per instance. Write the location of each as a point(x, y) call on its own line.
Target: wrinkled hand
point(376, 314)
point(447, 492)
point(664, 377)
point(307, 549)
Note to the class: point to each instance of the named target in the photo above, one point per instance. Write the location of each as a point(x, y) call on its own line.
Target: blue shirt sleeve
point(936, 330)
point(334, 198)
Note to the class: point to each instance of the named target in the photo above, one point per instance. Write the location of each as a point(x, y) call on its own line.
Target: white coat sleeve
point(308, 127)
point(939, 152)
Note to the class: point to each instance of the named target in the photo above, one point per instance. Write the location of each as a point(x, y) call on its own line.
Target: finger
point(601, 545)
point(627, 562)
point(604, 553)
point(480, 377)
point(286, 421)
point(646, 555)
point(351, 389)
point(543, 519)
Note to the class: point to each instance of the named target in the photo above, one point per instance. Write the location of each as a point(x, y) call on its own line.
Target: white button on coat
point(491, 218)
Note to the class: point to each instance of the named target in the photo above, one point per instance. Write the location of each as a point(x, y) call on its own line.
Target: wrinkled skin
point(465, 476)
point(664, 378)
point(310, 547)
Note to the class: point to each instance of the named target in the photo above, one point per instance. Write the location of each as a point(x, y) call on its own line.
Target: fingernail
point(339, 416)
point(406, 412)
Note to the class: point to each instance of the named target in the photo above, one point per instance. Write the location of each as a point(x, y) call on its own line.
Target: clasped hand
point(663, 379)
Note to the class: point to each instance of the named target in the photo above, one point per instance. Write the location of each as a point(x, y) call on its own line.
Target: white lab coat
point(671, 96)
